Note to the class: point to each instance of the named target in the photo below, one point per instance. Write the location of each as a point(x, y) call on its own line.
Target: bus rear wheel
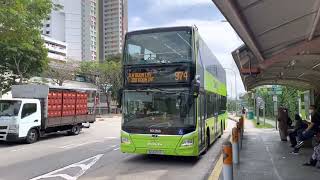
point(221, 130)
point(208, 141)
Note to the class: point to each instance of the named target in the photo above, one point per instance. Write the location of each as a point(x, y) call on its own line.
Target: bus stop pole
point(275, 108)
point(240, 136)
point(264, 115)
point(258, 115)
point(235, 145)
point(227, 161)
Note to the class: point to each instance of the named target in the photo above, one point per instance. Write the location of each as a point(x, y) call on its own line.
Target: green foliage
point(231, 104)
point(288, 99)
point(22, 52)
point(261, 125)
point(60, 72)
point(107, 72)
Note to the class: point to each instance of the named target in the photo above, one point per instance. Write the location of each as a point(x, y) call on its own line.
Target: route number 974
point(182, 75)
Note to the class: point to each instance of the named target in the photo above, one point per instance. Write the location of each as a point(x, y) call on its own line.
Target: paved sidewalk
point(265, 157)
point(269, 121)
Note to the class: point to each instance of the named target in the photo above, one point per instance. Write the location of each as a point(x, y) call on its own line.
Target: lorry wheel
point(32, 136)
point(75, 130)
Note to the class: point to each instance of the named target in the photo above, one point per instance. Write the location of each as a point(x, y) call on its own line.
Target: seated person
point(315, 158)
point(312, 129)
point(299, 126)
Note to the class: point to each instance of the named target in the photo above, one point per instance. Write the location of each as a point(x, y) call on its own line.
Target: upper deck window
point(159, 47)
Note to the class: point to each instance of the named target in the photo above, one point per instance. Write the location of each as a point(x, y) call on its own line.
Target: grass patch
point(261, 125)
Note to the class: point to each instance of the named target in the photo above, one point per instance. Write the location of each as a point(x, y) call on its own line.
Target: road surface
point(95, 154)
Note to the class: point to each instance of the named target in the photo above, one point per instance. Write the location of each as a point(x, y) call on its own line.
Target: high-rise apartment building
point(76, 25)
point(57, 50)
point(113, 20)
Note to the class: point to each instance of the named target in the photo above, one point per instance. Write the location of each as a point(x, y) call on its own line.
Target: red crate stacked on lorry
point(82, 99)
point(54, 104)
point(69, 103)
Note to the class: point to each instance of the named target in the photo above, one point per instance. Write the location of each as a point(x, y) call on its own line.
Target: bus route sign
point(157, 75)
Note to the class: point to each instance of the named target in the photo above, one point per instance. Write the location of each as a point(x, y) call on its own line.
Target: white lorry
point(36, 110)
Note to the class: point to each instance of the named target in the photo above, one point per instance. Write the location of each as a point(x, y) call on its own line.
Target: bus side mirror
point(195, 88)
point(120, 92)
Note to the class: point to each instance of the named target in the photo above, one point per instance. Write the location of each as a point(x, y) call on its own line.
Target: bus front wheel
point(208, 141)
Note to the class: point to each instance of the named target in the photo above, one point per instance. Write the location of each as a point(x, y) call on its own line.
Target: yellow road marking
point(217, 170)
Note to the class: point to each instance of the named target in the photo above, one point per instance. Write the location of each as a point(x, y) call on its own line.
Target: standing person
point(243, 111)
point(312, 129)
point(283, 119)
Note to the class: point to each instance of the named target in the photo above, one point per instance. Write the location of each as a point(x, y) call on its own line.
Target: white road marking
point(116, 149)
point(15, 150)
point(83, 165)
point(66, 146)
point(113, 146)
point(110, 137)
point(80, 144)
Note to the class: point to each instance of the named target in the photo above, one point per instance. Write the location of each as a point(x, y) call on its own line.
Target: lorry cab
point(37, 110)
point(20, 119)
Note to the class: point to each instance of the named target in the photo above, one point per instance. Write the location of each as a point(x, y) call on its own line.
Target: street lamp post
point(235, 85)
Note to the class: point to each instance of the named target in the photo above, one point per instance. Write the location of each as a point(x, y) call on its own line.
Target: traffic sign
point(275, 98)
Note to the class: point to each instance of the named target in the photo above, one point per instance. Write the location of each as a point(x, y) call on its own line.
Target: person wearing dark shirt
point(299, 126)
point(283, 119)
point(243, 111)
point(312, 129)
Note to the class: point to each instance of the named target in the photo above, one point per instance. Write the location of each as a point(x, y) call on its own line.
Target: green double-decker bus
point(174, 93)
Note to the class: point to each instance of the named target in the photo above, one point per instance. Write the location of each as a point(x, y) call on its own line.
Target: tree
point(5, 79)
point(289, 99)
point(106, 73)
point(22, 50)
point(60, 72)
point(26, 60)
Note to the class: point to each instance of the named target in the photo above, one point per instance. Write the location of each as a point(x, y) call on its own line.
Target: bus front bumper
point(174, 145)
point(190, 151)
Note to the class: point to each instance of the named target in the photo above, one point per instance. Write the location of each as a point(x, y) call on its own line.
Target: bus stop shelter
point(281, 41)
point(281, 47)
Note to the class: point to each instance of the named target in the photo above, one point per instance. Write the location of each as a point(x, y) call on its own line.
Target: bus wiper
point(166, 124)
point(172, 92)
point(166, 91)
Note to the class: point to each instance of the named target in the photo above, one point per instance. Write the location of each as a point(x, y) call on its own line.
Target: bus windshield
point(159, 47)
point(9, 107)
point(156, 109)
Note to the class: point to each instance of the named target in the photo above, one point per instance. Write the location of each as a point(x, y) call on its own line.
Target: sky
point(216, 32)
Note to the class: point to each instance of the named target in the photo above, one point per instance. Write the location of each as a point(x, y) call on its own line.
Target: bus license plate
point(159, 152)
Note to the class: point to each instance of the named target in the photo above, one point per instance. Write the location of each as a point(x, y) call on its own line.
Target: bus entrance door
point(201, 121)
point(216, 126)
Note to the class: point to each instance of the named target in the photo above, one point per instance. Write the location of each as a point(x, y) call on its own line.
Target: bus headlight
point(125, 140)
point(14, 128)
point(187, 142)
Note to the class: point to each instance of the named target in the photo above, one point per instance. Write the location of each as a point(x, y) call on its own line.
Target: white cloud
point(135, 23)
point(161, 6)
point(174, 3)
point(220, 38)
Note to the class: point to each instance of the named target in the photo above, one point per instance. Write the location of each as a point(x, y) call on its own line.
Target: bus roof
point(162, 29)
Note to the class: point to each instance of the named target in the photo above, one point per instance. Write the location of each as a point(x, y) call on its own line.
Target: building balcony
point(57, 49)
point(56, 57)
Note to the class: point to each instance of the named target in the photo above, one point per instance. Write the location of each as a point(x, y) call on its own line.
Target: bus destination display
point(157, 75)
